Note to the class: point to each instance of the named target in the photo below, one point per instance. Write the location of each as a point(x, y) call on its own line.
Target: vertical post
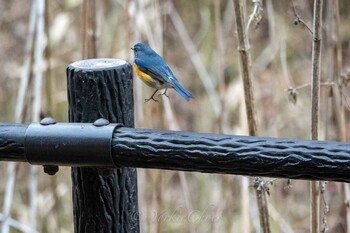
point(102, 88)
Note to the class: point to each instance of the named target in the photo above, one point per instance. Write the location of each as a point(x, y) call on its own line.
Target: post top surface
point(97, 63)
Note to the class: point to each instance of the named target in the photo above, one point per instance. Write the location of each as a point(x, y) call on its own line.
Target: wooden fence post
point(102, 88)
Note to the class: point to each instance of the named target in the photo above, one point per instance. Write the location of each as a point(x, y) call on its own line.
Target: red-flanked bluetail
point(155, 72)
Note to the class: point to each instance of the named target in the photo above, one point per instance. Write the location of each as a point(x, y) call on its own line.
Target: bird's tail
point(181, 90)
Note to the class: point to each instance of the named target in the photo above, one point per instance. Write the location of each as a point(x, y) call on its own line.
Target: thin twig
point(37, 102)
point(347, 204)
point(220, 61)
point(245, 204)
point(16, 224)
point(282, 223)
point(47, 51)
point(346, 101)
point(315, 98)
point(89, 29)
point(334, 107)
point(316, 64)
point(269, 53)
point(139, 114)
point(283, 58)
point(328, 84)
point(325, 211)
point(245, 59)
point(39, 63)
point(255, 15)
point(10, 184)
point(33, 195)
point(341, 80)
point(298, 20)
point(186, 196)
point(28, 60)
point(293, 91)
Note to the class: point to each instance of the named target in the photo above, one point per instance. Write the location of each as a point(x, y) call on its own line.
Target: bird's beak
point(132, 48)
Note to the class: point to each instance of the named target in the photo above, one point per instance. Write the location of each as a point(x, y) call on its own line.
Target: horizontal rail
point(228, 154)
point(188, 151)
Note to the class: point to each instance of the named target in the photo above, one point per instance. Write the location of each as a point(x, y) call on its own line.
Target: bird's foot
point(151, 98)
point(164, 93)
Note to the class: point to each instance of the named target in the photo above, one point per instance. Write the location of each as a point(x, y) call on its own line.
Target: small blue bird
point(155, 72)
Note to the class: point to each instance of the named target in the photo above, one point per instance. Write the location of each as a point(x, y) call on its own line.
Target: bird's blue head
point(141, 49)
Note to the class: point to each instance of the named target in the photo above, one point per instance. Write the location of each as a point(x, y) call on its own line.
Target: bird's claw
point(151, 98)
point(146, 100)
point(164, 93)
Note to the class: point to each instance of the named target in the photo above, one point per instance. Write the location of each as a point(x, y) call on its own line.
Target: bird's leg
point(151, 98)
point(164, 93)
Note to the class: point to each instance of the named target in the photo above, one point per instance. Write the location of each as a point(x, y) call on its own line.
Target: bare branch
point(255, 15)
point(315, 98)
point(298, 20)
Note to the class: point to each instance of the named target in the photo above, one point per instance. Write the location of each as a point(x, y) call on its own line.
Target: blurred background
point(38, 39)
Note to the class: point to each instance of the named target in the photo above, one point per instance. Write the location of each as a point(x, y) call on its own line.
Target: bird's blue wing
point(156, 68)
